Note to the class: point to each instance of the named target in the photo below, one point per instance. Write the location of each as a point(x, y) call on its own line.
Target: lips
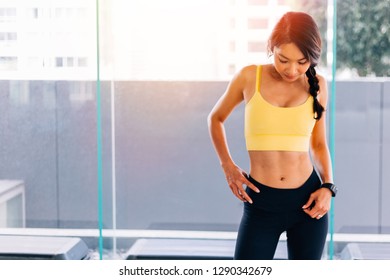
point(289, 77)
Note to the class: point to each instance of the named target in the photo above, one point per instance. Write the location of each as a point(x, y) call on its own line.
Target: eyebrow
point(290, 59)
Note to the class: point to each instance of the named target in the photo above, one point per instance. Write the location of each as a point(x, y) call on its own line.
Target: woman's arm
point(235, 176)
point(321, 160)
point(319, 146)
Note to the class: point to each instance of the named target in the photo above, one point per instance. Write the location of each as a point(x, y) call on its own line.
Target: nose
point(293, 69)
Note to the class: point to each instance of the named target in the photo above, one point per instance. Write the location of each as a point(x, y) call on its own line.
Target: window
point(258, 2)
point(35, 62)
point(257, 23)
point(70, 12)
point(8, 63)
point(59, 62)
point(8, 36)
point(7, 14)
point(232, 46)
point(232, 69)
point(32, 13)
point(71, 62)
point(232, 23)
point(257, 47)
point(82, 62)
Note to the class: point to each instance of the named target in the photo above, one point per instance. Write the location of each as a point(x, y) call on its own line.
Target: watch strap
point(331, 187)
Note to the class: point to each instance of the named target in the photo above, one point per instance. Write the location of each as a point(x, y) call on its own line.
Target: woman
point(290, 185)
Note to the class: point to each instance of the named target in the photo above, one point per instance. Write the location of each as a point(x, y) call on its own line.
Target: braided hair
point(313, 90)
point(300, 28)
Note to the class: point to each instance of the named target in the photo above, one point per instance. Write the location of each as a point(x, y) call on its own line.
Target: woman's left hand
point(318, 204)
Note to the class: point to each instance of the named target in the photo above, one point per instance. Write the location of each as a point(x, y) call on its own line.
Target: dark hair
point(300, 28)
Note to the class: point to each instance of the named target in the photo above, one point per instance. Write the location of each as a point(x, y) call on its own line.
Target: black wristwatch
point(331, 187)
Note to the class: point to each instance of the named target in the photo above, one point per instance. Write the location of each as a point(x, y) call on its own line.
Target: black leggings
point(275, 211)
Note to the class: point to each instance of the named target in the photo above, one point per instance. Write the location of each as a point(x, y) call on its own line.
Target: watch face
point(334, 190)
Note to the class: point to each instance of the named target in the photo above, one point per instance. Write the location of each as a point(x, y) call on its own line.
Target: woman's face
point(289, 62)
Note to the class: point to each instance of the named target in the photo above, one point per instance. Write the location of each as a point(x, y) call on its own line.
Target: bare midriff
point(280, 169)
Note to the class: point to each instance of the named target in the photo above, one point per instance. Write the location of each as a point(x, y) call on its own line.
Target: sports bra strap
point(258, 78)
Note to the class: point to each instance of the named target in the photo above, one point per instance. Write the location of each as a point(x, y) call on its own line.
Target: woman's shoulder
point(248, 70)
point(244, 74)
point(320, 78)
point(321, 81)
point(323, 92)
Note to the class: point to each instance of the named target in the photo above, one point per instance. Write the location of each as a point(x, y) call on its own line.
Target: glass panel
point(163, 69)
point(48, 179)
point(362, 119)
point(129, 153)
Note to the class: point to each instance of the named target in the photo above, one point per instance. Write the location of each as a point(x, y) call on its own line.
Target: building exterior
point(47, 39)
point(250, 24)
point(139, 40)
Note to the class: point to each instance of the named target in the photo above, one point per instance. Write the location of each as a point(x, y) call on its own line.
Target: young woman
point(290, 185)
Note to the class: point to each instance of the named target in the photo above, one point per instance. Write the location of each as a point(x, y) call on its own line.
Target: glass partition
point(104, 106)
point(165, 64)
point(48, 119)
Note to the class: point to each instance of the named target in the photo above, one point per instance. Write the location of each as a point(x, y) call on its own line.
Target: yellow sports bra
point(272, 128)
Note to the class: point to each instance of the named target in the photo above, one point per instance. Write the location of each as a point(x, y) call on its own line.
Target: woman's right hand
point(237, 178)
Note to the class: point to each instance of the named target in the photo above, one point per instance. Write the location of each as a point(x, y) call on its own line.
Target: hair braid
point(314, 88)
